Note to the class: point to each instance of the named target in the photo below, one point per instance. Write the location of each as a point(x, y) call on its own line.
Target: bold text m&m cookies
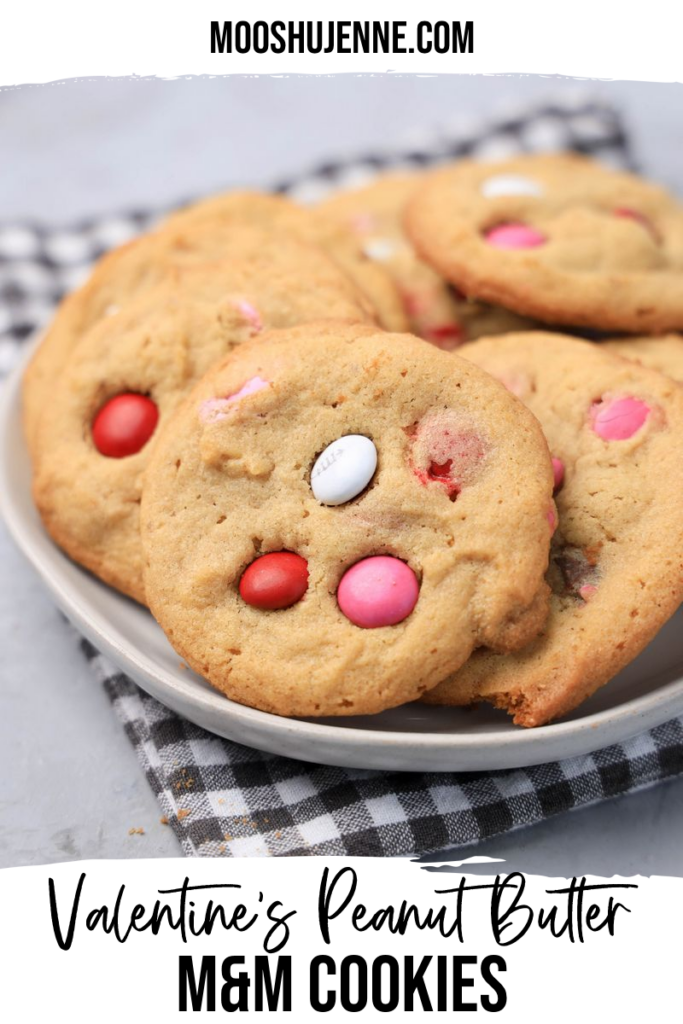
point(299, 551)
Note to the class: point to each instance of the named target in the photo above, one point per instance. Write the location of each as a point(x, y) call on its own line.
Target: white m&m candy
point(510, 185)
point(343, 469)
point(379, 249)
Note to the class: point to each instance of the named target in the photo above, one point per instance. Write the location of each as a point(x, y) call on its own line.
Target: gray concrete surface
point(71, 785)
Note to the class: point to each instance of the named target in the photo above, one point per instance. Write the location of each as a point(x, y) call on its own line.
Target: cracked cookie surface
point(615, 431)
point(440, 545)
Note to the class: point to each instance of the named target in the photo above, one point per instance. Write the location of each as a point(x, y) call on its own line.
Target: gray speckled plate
point(410, 738)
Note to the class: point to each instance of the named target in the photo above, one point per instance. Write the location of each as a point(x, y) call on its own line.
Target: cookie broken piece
point(616, 567)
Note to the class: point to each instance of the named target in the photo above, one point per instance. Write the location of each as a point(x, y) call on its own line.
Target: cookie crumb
point(163, 820)
point(183, 813)
point(136, 831)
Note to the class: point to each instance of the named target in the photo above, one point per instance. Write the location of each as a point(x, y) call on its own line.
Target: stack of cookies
point(253, 420)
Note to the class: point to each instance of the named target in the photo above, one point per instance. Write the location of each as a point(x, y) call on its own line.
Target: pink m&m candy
point(250, 388)
point(514, 236)
point(250, 314)
point(558, 474)
point(616, 419)
point(378, 591)
point(215, 409)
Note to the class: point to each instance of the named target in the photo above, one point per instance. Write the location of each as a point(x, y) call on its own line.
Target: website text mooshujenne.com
point(390, 37)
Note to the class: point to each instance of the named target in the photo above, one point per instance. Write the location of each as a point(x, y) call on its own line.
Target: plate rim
point(591, 732)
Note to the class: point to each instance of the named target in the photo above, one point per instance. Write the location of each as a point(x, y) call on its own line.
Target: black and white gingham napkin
point(225, 799)
point(38, 264)
point(222, 798)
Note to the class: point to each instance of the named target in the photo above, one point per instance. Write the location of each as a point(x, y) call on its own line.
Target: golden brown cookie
point(436, 310)
point(276, 213)
point(663, 353)
point(100, 425)
point(304, 575)
point(209, 230)
point(616, 568)
point(556, 237)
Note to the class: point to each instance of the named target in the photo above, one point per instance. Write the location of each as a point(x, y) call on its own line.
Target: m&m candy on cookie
point(274, 581)
point(373, 216)
point(300, 553)
point(557, 237)
point(618, 417)
point(344, 469)
point(378, 591)
point(617, 543)
point(514, 236)
point(124, 425)
point(129, 372)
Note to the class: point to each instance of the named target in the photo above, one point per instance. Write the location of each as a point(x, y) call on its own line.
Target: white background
point(43, 42)
point(631, 976)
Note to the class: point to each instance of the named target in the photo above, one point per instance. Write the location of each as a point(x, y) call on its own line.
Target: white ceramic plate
point(410, 738)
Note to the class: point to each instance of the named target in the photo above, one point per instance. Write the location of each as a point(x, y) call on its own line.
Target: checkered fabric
point(38, 264)
point(222, 798)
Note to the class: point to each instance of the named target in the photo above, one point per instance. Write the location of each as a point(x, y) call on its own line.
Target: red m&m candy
point(274, 581)
point(446, 336)
point(124, 425)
